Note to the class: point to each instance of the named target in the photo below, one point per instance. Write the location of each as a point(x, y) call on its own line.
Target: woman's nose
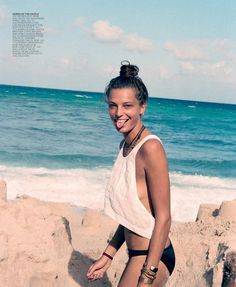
point(119, 111)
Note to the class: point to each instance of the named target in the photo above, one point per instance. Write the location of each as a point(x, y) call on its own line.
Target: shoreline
point(85, 188)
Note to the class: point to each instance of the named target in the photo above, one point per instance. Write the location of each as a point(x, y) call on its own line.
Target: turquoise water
point(60, 145)
point(71, 129)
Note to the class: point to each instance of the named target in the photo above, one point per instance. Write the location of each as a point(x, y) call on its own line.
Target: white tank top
point(121, 198)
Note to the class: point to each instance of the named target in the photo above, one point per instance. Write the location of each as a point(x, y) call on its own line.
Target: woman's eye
point(111, 106)
point(128, 106)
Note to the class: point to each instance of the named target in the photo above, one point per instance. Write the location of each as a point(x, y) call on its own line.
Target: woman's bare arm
point(156, 170)
point(98, 269)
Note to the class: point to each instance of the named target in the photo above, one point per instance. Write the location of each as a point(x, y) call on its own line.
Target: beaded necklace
point(133, 142)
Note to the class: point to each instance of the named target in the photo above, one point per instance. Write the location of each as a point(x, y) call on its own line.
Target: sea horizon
point(102, 93)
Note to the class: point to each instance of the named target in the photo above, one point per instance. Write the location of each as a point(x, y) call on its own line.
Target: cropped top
point(121, 198)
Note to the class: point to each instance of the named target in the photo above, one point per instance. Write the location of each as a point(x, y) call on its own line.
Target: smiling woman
point(138, 192)
point(124, 108)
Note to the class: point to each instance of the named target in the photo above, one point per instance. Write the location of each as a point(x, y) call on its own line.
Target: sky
point(185, 49)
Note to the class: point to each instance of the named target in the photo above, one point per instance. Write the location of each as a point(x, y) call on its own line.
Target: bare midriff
point(137, 242)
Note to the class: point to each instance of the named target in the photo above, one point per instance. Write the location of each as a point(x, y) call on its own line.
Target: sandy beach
point(45, 244)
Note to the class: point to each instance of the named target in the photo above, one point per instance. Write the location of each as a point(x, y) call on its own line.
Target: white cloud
point(187, 66)
point(103, 31)
point(134, 42)
point(66, 65)
point(80, 22)
point(185, 51)
point(224, 45)
point(212, 60)
point(221, 71)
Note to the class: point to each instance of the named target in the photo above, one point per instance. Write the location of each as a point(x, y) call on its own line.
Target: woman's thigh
point(133, 270)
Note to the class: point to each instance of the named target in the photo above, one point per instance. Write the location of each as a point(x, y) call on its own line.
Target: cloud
point(134, 42)
point(208, 59)
point(221, 71)
point(80, 22)
point(104, 31)
point(224, 45)
point(187, 66)
point(66, 65)
point(185, 50)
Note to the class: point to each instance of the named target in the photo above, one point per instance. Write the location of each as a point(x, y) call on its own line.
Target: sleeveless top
point(121, 199)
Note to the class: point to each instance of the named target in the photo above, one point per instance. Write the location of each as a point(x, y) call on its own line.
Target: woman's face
point(125, 109)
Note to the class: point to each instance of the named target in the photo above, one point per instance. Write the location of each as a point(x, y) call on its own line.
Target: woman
point(138, 192)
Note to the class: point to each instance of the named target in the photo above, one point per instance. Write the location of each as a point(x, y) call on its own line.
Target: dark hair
point(129, 78)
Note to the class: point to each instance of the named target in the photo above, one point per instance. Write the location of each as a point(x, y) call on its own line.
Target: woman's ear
point(143, 109)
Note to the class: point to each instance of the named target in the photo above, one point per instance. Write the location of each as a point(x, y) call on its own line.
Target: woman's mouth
point(120, 123)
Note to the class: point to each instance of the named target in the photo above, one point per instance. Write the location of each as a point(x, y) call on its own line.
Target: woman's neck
point(132, 134)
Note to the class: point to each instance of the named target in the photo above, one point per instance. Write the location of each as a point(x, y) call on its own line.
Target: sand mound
point(206, 249)
point(46, 244)
point(35, 244)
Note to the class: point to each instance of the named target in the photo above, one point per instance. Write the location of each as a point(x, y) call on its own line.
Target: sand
point(53, 244)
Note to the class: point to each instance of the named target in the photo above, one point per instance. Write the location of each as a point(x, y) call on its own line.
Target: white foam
point(83, 96)
point(85, 188)
point(189, 191)
point(77, 186)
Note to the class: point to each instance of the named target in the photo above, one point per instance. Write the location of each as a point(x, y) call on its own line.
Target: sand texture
point(45, 244)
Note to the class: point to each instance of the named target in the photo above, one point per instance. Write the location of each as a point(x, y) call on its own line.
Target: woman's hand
point(97, 270)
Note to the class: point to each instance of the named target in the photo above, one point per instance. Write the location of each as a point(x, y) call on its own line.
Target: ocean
point(59, 145)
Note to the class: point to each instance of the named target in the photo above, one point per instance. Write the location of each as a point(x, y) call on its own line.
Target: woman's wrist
point(107, 255)
point(148, 274)
point(150, 267)
point(109, 252)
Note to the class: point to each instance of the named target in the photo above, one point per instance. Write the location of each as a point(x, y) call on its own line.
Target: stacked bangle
point(107, 255)
point(145, 280)
point(152, 268)
point(148, 275)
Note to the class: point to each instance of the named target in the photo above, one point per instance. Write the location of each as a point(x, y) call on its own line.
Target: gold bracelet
point(147, 277)
point(145, 280)
point(148, 272)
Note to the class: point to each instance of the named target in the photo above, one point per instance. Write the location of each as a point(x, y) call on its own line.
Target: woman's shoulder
point(151, 146)
point(153, 154)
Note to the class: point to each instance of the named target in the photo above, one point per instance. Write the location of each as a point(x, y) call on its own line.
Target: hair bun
point(128, 70)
